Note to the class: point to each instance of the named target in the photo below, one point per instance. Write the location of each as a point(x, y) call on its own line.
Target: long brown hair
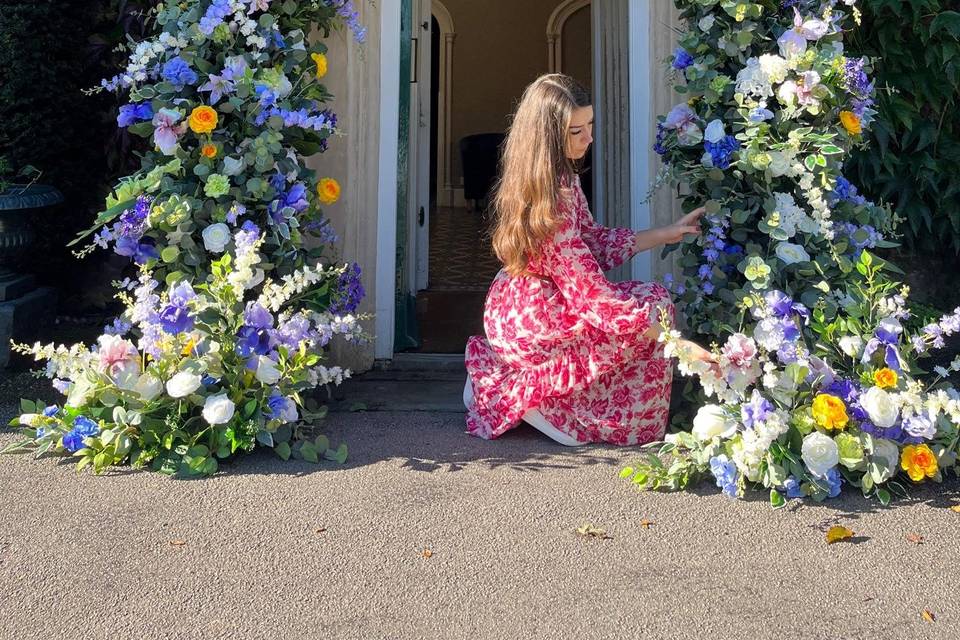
point(533, 167)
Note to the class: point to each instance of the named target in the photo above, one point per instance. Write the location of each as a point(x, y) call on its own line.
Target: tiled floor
point(462, 265)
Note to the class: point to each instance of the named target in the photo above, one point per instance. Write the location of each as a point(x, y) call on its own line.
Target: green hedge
point(913, 158)
point(50, 51)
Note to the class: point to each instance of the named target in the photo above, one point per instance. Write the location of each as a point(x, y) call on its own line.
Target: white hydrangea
point(753, 81)
point(774, 68)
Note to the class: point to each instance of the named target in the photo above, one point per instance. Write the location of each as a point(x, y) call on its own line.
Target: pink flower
point(740, 350)
point(167, 131)
point(119, 359)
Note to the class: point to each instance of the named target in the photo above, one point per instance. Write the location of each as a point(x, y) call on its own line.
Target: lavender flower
point(725, 472)
point(133, 113)
point(350, 291)
point(681, 59)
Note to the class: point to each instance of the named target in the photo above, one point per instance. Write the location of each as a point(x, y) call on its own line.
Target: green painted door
point(407, 334)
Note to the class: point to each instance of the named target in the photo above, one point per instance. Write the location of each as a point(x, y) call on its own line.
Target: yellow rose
point(328, 190)
point(203, 119)
point(885, 378)
point(830, 412)
point(851, 123)
point(209, 151)
point(321, 61)
point(918, 461)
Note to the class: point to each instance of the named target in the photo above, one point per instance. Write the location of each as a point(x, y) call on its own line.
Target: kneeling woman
point(566, 350)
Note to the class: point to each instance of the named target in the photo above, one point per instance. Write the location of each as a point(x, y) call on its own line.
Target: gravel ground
point(428, 533)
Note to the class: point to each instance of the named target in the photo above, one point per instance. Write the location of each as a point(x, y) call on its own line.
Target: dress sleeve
point(574, 269)
point(611, 247)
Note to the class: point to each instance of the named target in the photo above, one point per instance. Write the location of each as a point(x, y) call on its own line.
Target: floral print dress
point(568, 342)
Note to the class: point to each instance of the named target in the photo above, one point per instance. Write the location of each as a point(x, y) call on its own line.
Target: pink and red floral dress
point(569, 343)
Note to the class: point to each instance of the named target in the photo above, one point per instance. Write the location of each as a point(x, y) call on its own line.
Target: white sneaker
point(536, 420)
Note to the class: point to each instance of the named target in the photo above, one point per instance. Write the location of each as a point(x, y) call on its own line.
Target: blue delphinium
point(83, 427)
point(178, 73)
point(681, 59)
point(725, 471)
point(351, 18)
point(350, 290)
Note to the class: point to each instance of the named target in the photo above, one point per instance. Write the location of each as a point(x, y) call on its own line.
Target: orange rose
point(918, 461)
point(885, 378)
point(203, 119)
point(328, 190)
point(209, 151)
point(851, 123)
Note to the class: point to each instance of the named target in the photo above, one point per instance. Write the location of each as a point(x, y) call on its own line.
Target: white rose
point(30, 419)
point(149, 387)
point(887, 454)
point(780, 163)
point(881, 407)
point(706, 23)
point(851, 345)
point(787, 93)
point(711, 421)
point(183, 384)
point(819, 453)
point(267, 372)
point(714, 131)
point(792, 253)
point(216, 237)
point(218, 409)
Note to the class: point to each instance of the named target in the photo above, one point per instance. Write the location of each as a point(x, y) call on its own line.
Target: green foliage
point(913, 157)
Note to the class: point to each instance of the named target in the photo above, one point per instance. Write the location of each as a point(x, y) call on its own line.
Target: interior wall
point(577, 53)
point(500, 47)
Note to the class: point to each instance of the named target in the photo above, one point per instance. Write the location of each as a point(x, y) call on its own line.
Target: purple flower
point(178, 73)
point(350, 291)
point(756, 411)
point(681, 59)
point(279, 407)
point(726, 474)
point(213, 18)
point(166, 131)
point(855, 79)
point(255, 315)
point(182, 294)
point(218, 86)
point(294, 331)
point(175, 319)
point(251, 340)
point(834, 480)
point(132, 113)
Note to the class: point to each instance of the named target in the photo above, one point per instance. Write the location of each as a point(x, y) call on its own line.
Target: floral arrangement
point(816, 382)
point(238, 290)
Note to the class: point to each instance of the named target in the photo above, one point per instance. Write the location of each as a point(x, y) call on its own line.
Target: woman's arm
point(690, 223)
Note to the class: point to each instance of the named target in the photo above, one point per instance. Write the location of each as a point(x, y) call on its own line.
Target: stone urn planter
point(23, 307)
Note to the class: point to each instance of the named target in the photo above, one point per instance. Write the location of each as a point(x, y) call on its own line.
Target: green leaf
point(626, 472)
point(884, 496)
point(830, 150)
point(322, 443)
point(309, 453)
point(776, 500)
point(283, 450)
point(28, 406)
point(340, 455)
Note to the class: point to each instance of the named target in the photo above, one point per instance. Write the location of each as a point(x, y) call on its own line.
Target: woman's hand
point(696, 352)
point(689, 223)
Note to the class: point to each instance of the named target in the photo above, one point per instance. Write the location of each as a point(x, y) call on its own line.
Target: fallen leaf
point(646, 524)
point(955, 508)
point(915, 538)
point(927, 615)
point(322, 530)
point(838, 533)
point(590, 531)
point(178, 543)
point(427, 553)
